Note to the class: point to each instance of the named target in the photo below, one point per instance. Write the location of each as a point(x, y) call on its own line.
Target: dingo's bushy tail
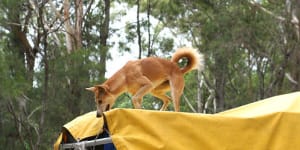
point(195, 60)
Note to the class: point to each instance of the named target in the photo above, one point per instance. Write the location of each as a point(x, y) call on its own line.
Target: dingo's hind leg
point(177, 86)
point(160, 92)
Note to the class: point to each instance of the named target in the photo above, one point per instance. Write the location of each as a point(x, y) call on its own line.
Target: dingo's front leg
point(143, 90)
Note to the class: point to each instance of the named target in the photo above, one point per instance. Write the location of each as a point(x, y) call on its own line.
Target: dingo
point(149, 75)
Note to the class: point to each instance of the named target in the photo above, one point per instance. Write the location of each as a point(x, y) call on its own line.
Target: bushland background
point(51, 50)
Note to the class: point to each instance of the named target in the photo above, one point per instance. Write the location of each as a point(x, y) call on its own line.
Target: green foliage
point(123, 101)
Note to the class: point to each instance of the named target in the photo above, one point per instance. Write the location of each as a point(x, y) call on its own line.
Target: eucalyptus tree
point(248, 45)
point(50, 51)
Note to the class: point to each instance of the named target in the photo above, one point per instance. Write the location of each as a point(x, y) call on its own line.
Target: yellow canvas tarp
point(282, 103)
point(82, 127)
point(270, 124)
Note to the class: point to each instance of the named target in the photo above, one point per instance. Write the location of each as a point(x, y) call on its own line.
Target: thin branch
point(57, 13)
point(257, 5)
point(189, 104)
point(88, 8)
point(290, 78)
point(17, 121)
point(212, 94)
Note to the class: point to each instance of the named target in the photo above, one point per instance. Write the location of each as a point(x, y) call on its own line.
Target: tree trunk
point(25, 50)
point(199, 95)
point(104, 31)
point(149, 25)
point(73, 33)
point(68, 27)
point(78, 25)
point(220, 81)
point(138, 28)
point(261, 77)
point(43, 37)
point(295, 58)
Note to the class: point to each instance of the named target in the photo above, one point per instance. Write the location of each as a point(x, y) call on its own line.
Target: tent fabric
point(82, 127)
point(282, 103)
point(90, 125)
point(271, 124)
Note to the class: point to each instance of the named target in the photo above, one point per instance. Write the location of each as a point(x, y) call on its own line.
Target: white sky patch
point(119, 57)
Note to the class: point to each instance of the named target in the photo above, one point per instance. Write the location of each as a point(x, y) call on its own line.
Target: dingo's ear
point(93, 89)
point(102, 88)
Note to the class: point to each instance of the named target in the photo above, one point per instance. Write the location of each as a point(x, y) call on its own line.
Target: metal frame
point(82, 145)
